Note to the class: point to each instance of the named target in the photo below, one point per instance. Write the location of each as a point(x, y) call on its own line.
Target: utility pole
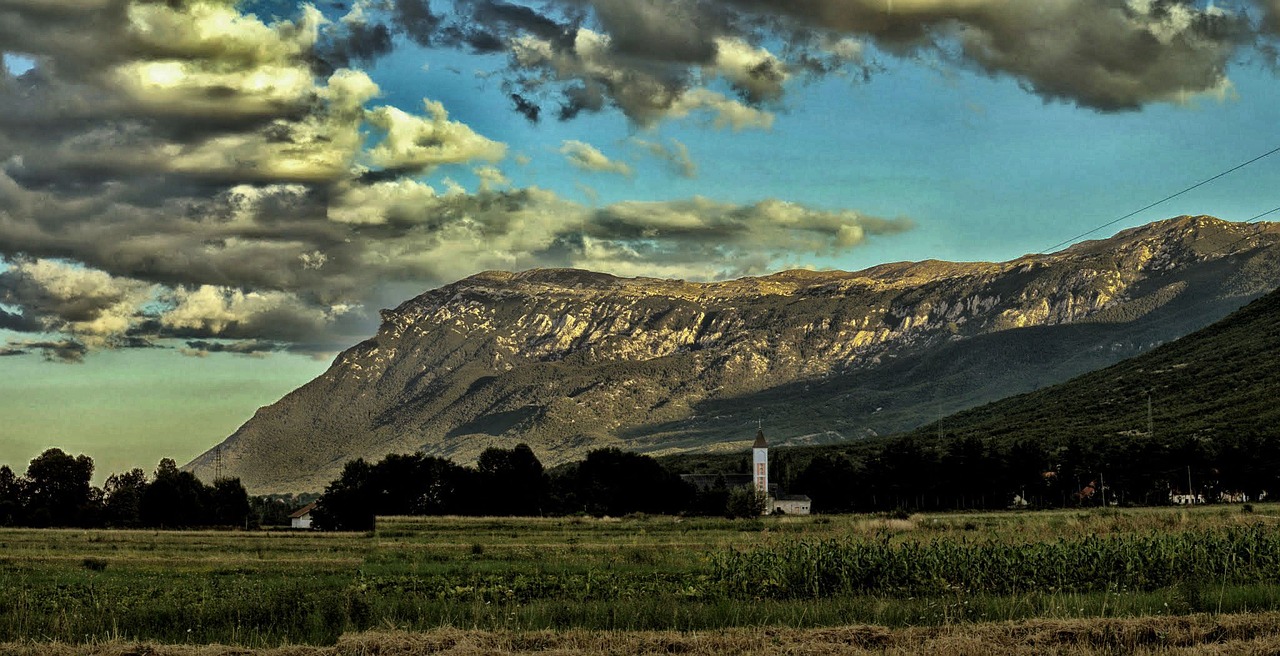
point(1191, 495)
point(1102, 485)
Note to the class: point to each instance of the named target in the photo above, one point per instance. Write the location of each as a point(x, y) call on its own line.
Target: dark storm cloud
point(65, 351)
point(18, 323)
point(527, 108)
point(1104, 54)
point(642, 56)
point(1271, 15)
point(415, 19)
point(356, 42)
point(661, 30)
point(201, 348)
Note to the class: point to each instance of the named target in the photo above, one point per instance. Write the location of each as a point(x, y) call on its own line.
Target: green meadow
point(641, 573)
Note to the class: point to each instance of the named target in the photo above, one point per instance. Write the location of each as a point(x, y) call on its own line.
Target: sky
point(203, 201)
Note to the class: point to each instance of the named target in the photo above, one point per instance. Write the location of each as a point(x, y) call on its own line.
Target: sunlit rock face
point(569, 361)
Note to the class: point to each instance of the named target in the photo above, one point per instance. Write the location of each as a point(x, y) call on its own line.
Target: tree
point(415, 484)
point(228, 502)
point(11, 498)
point(613, 482)
point(419, 484)
point(57, 489)
point(348, 501)
point(511, 482)
point(176, 499)
point(123, 504)
point(832, 481)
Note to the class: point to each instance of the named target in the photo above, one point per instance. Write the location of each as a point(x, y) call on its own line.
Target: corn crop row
point(1123, 562)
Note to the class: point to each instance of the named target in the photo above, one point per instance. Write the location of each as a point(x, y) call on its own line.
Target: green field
point(264, 589)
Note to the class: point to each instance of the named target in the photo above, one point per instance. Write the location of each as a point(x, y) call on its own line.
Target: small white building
point(302, 518)
point(789, 504)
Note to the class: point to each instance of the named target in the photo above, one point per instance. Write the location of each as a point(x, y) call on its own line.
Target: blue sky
point(192, 222)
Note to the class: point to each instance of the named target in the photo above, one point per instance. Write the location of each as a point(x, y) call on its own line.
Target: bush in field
point(744, 501)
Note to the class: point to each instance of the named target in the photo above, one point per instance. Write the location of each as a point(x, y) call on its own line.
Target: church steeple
point(760, 463)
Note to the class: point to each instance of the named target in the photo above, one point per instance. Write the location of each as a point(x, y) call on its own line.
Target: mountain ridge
point(570, 360)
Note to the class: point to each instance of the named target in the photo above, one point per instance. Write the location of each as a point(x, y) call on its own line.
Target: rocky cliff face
point(570, 360)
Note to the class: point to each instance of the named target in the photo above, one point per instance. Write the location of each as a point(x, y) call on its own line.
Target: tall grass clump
point(1124, 562)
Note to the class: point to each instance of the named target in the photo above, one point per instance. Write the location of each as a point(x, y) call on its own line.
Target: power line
point(1259, 216)
point(1165, 200)
point(1249, 221)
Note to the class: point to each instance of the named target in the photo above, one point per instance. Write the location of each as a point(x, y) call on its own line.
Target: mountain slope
point(569, 360)
point(1220, 381)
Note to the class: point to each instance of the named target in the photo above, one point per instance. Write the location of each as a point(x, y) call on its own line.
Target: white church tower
point(760, 463)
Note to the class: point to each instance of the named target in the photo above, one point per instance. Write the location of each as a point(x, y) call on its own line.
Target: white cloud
point(756, 72)
point(586, 157)
point(420, 143)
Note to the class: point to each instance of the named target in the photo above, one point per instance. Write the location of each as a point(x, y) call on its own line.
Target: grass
point(1195, 635)
point(639, 574)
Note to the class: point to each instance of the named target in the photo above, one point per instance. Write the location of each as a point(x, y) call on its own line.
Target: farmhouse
point(302, 518)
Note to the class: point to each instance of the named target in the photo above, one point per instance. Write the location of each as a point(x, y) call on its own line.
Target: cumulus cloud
point(57, 297)
point(491, 177)
point(754, 72)
point(232, 313)
point(597, 76)
point(420, 143)
point(586, 157)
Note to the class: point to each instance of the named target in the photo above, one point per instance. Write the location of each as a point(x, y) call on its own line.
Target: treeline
point(56, 491)
point(906, 473)
point(964, 472)
point(513, 482)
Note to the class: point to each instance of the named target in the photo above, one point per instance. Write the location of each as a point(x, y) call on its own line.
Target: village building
point(789, 504)
point(302, 518)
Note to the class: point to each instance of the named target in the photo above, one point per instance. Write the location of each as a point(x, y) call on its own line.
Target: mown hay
point(1194, 635)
